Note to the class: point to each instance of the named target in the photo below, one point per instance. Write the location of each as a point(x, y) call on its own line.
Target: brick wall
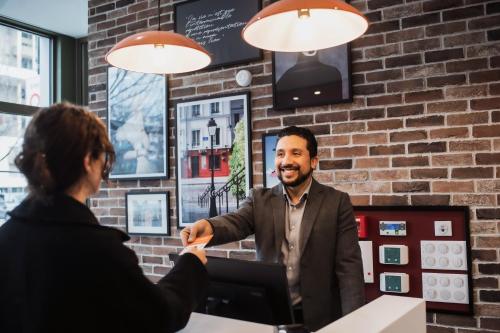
point(423, 128)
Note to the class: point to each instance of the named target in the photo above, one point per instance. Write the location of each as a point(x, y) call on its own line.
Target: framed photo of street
point(137, 124)
point(147, 213)
point(216, 25)
point(312, 78)
point(213, 145)
point(270, 178)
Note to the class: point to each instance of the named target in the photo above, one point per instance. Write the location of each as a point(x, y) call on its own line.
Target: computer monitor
point(247, 290)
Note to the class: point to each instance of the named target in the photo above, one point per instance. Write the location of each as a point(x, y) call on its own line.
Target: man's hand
point(200, 253)
point(200, 228)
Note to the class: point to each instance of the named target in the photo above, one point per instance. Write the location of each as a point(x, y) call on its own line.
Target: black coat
point(60, 271)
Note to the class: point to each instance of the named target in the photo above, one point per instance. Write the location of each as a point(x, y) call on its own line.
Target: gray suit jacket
point(331, 270)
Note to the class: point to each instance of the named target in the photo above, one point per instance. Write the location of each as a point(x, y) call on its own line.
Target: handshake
point(195, 237)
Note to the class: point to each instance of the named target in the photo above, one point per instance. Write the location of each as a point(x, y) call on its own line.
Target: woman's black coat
point(60, 271)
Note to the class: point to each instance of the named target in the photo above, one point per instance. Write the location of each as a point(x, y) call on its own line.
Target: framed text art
point(137, 124)
point(312, 78)
point(214, 170)
point(147, 213)
point(269, 141)
point(217, 25)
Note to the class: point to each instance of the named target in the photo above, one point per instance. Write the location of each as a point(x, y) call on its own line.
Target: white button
point(430, 294)
point(443, 262)
point(293, 227)
point(458, 282)
point(431, 281)
point(443, 248)
point(458, 262)
point(289, 268)
point(429, 248)
point(444, 281)
point(459, 295)
point(430, 261)
point(291, 246)
point(445, 294)
point(457, 249)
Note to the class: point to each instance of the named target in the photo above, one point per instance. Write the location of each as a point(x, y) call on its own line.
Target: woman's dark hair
point(56, 142)
point(312, 144)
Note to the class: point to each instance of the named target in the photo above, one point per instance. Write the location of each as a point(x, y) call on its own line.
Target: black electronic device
point(247, 290)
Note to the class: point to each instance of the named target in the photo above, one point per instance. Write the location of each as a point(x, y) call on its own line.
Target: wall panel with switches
point(421, 251)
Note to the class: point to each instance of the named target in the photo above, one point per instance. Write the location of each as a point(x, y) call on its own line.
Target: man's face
point(293, 163)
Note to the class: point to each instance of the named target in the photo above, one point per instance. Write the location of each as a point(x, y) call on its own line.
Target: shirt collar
point(303, 197)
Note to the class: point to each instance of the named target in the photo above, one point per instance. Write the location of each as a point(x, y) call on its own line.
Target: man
point(307, 226)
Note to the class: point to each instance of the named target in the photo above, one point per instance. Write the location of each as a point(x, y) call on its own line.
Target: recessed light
point(295, 98)
point(317, 92)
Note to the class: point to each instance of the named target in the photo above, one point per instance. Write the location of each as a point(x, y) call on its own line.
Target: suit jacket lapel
point(278, 206)
point(313, 205)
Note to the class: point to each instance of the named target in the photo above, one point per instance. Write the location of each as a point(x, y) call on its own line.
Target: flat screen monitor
point(247, 290)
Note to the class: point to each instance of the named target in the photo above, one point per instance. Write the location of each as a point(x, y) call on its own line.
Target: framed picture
point(217, 26)
point(312, 78)
point(137, 124)
point(270, 178)
point(147, 213)
point(214, 170)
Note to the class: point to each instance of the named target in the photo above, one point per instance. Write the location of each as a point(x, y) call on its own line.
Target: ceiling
point(67, 17)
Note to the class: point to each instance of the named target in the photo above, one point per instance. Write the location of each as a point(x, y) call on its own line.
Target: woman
point(60, 271)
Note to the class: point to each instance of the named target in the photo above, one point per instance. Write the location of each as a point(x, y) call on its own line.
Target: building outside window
point(195, 110)
point(195, 138)
point(214, 107)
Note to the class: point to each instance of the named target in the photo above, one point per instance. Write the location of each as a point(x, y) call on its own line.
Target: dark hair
point(312, 144)
point(56, 142)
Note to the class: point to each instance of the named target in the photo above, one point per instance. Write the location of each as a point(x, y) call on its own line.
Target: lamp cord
point(159, 15)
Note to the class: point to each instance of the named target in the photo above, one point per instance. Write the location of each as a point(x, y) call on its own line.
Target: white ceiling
point(67, 17)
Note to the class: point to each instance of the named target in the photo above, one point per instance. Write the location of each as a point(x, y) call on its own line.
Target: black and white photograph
point(269, 141)
point(312, 78)
point(148, 213)
point(214, 170)
point(137, 124)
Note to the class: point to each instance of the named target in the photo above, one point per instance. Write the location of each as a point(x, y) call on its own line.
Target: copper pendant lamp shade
point(158, 52)
point(304, 25)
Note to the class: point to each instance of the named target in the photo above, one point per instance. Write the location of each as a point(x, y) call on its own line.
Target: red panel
point(420, 226)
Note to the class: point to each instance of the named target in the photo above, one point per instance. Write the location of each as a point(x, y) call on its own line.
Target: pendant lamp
point(158, 52)
point(304, 25)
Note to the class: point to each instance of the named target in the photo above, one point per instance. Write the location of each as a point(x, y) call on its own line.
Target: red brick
point(382, 51)
point(425, 121)
point(385, 124)
point(486, 131)
point(404, 35)
point(471, 145)
point(452, 106)
point(424, 96)
point(407, 110)
point(490, 323)
point(421, 45)
point(450, 80)
point(372, 187)
point(474, 199)
point(387, 150)
point(348, 128)
point(488, 158)
point(424, 71)
point(360, 200)
point(407, 136)
point(368, 163)
point(298, 120)
point(368, 41)
point(485, 76)
point(350, 151)
point(369, 89)
point(445, 28)
point(266, 123)
point(455, 320)
point(372, 138)
point(406, 85)
point(366, 114)
point(375, 4)
point(462, 13)
point(398, 162)
point(444, 55)
point(395, 174)
point(464, 39)
point(423, 147)
point(383, 27)
point(387, 75)
point(466, 92)
point(466, 65)
point(484, 22)
point(389, 200)
point(430, 200)
point(449, 187)
point(406, 60)
point(351, 176)
point(331, 117)
point(333, 140)
point(335, 164)
point(384, 100)
point(366, 66)
point(429, 173)
point(410, 187)
point(468, 173)
point(420, 20)
point(485, 103)
point(467, 119)
point(452, 159)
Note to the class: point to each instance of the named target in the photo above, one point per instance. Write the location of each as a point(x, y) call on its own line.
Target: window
point(216, 160)
point(217, 137)
point(195, 110)
point(195, 138)
point(214, 107)
point(12, 182)
point(24, 67)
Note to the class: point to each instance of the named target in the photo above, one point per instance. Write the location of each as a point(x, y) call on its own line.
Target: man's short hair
point(312, 144)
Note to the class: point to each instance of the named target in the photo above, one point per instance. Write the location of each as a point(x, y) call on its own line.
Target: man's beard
point(300, 179)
